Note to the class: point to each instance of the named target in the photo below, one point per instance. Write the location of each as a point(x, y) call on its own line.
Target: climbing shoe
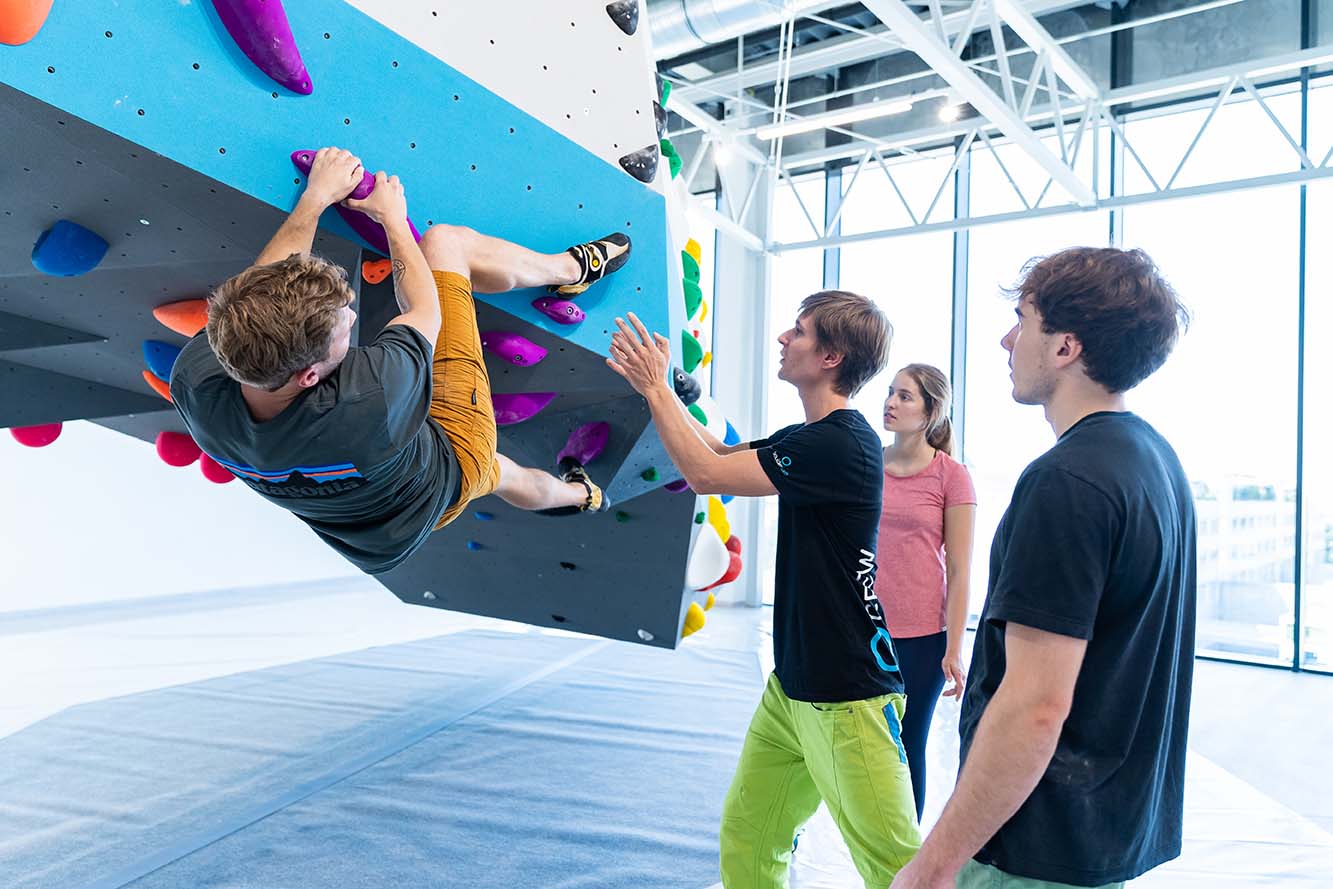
point(596, 259)
point(572, 471)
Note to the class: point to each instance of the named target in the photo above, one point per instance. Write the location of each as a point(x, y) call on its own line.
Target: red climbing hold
point(36, 436)
point(177, 448)
point(733, 572)
point(214, 471)
point(734, 544)
point(187, 316)
point(373, 271)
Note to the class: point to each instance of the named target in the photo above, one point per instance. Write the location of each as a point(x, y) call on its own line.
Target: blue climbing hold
point(67, 249)
point(474, 546)
point(727, 498)
point(160, 357)
point(484, 516)
point(732, 437)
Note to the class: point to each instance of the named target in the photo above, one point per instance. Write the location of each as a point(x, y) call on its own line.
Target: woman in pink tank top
point(925, 551)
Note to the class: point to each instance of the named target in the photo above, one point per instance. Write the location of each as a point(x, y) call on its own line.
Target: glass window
point(1226, 399)
point(1002, 437)
point(792, 277)
point(910, 276)
point(1317, 568)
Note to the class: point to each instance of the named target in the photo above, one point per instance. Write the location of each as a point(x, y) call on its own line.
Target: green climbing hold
point(698, 414)
point(666, 92)
point(622, 516)
point(673, 159)
point(693, 297)
point(691, 352)
point(689, 265)
point(650, 474)
point(698, 518)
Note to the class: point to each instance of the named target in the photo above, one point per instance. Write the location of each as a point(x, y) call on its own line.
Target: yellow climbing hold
point(694, 620)
point(717, 517)
point(710, 602)
point(707, 359)
point(692, 247)
point(703, 311)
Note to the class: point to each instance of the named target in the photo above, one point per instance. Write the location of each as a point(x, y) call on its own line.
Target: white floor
point(1235, 834)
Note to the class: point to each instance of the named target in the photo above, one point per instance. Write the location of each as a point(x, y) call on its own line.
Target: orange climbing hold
point(157, 385)
point(20, 20)
point(187, 317)
point(373, 271)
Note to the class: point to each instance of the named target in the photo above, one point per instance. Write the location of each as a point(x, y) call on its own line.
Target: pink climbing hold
point(559, 310)
point(36, 436)
point(177, 448)
point(261, 30)
point(214, 471)
point(515, 407)
point(513, 348)
point(585, 443)
point(369, 230)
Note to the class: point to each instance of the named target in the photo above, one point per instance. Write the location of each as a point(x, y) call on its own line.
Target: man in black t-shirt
point(828, 726)
point(1074, 723)
point(374, 447)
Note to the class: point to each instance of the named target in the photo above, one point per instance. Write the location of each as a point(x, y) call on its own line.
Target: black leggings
point(919, 658)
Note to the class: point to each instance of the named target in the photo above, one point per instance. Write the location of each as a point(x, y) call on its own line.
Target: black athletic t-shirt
point(1098, 543)
point(829, 639)
point(355, 457)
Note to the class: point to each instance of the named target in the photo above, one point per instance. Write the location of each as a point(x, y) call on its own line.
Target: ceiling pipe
point(681, 26)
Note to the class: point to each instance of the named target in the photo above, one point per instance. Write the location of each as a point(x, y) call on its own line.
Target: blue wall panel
point(166, 75)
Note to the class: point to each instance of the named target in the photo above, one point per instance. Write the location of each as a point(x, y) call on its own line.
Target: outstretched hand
point(641, 358)
point(333, 175)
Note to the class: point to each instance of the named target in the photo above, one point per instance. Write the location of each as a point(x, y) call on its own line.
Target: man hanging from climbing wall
point(374, 447)
point(828, 726)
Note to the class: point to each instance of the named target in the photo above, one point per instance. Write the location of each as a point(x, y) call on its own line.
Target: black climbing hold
point(686, 386)
point(625, 13)
point(568, 566)
point(642, 164)
point(661, 85)
point(660, 118)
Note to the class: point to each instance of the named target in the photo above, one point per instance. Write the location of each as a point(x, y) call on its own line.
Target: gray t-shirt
point(356, 457)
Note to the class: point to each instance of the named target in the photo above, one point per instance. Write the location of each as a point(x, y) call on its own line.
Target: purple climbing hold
point(585, 444)
point(678, 486)
point(261, 30)
point(513, 348)
point(559, 310)
point(369, 230)
point(515, 407)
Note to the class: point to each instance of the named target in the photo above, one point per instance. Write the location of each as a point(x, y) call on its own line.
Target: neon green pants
point(975, 875)
point(849, 755)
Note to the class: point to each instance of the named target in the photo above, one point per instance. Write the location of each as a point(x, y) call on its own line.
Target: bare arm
point(706, 470)
point(1013, 745)
point(413, 284)
point(959, 524)
point(709, 438)
point(643, 360)
point(333, 175)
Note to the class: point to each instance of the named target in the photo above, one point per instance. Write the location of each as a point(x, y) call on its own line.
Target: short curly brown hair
point(273, 320)
point(1116, 302)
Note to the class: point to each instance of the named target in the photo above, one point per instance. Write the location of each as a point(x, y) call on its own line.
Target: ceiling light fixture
point(853, 114)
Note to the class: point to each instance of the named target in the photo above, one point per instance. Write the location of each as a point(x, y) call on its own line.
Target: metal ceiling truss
point(1083, 137)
